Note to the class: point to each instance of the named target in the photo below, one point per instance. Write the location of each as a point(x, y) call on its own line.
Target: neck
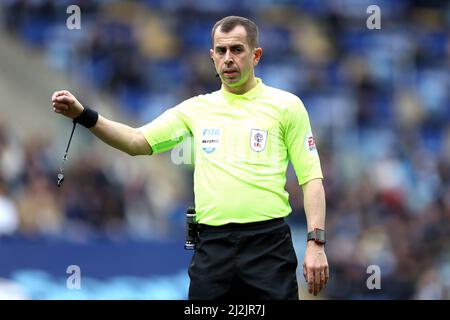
point(246, 87)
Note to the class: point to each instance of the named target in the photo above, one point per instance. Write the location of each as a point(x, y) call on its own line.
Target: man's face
point(233, 58)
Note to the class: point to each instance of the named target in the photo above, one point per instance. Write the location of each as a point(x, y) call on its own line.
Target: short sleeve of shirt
point(300, 143)
point(167, 130)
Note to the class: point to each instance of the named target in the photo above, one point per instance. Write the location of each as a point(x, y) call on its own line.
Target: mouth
point(230, 73)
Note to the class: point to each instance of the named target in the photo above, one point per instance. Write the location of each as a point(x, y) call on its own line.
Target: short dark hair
point(229, 23)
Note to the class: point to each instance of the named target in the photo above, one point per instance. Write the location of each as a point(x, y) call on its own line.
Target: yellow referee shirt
point(242, 147)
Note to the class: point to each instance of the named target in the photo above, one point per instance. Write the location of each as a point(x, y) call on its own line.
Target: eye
point(238, 49)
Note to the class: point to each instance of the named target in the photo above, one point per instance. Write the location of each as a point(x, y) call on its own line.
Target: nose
point(228, 58)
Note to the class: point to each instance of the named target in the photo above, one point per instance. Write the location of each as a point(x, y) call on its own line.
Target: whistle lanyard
point(61, 168)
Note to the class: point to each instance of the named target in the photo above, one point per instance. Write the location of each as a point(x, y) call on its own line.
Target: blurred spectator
point(39, 210)
point(9, 218)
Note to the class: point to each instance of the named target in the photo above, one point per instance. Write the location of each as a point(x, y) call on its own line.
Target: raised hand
point(66, 104)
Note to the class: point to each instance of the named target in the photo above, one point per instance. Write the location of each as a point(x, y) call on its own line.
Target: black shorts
point(244, 261)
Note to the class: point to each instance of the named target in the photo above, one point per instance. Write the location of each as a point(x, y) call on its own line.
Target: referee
point(245, 134)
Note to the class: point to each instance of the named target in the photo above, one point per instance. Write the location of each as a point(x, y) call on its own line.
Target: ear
point(257, 54)
point(211, 53)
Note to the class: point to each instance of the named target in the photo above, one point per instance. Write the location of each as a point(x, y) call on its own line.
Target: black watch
point(318, 235)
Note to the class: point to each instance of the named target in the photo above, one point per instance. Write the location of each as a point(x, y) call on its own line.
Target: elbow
point(139, 146)
point(313, 187)
point(132, 148)
point(132, 152)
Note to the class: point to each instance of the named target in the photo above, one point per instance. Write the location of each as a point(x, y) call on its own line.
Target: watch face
point(320, 235)
point(317, 235)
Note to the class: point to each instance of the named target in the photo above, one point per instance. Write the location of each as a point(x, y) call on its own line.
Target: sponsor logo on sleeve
point(310, 144)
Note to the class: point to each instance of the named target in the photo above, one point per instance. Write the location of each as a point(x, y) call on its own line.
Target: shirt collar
point(249, 95)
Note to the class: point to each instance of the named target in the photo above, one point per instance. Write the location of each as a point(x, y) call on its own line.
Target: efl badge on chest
point(258, 139)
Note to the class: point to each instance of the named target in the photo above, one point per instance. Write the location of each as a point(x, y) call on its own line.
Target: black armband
point(87, 118)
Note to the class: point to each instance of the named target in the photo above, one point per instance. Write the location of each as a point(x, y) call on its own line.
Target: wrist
point(88, 117)
point(79, 113)
point(316, 236)
point(314, 245)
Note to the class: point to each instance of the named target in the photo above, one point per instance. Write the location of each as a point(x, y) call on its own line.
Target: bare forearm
point(117, 135)
point(314, 204)
point(120, 136)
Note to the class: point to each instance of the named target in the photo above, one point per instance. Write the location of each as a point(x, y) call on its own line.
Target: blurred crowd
point(378, 102)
